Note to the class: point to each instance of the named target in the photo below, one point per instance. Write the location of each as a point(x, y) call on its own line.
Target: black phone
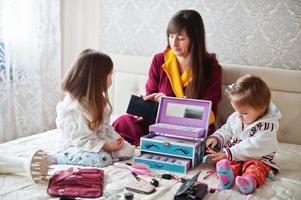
point(142, 108)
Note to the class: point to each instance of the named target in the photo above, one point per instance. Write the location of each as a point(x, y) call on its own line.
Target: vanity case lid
point(184, 112)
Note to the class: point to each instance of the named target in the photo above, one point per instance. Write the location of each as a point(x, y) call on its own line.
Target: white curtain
point(30, 71)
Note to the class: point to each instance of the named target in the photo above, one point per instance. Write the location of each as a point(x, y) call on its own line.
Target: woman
point(184, 69)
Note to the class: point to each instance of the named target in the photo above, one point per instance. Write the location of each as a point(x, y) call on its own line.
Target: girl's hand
point(114, 146)
point(211, 143)
point(154, 96)
point(117, 145)
point(216, 156)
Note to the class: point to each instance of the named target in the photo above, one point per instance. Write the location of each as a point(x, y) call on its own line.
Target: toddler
point(248, 140)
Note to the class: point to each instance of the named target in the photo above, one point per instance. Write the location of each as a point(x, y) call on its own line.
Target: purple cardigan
point(159, 82)
point(131, 129)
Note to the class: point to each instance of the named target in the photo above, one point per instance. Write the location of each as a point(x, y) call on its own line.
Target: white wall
point(80, 28)
point(246, 32)
point(263, 33)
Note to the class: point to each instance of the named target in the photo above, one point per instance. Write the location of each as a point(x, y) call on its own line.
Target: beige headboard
point(130, 75)
point(285, 86)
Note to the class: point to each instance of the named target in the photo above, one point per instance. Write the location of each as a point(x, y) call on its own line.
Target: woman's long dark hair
point(192, 22)
point(86, 81)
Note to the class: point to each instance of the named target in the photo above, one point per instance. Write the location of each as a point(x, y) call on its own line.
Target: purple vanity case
point(176, 141)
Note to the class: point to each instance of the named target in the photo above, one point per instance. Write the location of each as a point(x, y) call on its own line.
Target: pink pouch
point(77, 182)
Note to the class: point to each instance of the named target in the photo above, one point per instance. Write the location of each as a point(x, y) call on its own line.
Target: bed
point(130, 73)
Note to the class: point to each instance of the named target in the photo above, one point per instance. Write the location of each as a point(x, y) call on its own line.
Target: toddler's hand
point(216, 156)
point(211, 143)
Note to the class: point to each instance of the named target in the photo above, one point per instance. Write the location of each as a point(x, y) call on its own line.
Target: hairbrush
point(36, 166)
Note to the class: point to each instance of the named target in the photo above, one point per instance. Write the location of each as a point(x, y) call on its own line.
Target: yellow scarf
point(171, 68)
point(177, 81)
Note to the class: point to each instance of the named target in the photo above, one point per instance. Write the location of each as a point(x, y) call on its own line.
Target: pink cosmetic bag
point(77, 182)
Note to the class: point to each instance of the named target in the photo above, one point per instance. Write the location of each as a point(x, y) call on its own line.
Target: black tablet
point(142, 108)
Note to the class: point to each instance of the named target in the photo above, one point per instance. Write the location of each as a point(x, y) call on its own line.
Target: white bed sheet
point(286, 185)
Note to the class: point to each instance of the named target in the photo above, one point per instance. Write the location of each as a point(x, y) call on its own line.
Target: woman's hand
point(154, 96)
point(138, 119)
point(114, 146)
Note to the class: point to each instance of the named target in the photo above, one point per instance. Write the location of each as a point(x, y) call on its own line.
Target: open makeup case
point(176, 141)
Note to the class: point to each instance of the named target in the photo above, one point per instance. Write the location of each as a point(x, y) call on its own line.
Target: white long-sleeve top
point(73, 122)
point(255, 141)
